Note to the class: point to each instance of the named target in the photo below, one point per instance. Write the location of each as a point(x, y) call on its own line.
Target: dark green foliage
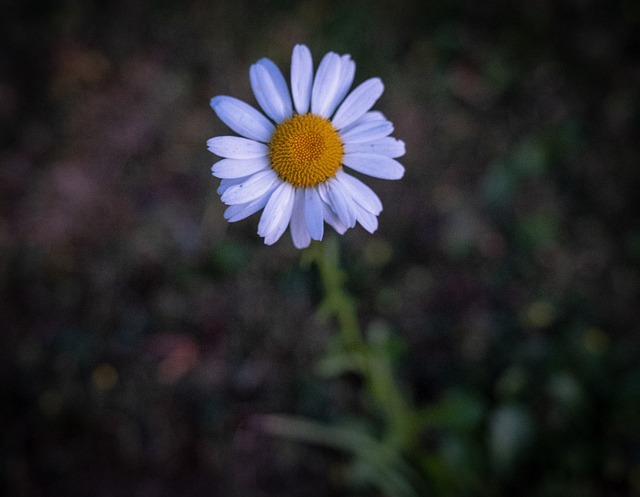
point(143, 339)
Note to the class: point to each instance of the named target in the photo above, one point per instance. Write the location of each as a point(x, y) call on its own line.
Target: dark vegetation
point(139, 332)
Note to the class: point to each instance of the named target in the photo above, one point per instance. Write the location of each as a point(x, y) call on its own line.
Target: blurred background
point(140, 332)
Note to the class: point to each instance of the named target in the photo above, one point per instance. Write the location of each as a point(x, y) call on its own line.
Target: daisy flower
point(291, 160)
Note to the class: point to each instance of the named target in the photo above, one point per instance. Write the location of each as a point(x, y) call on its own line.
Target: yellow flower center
point(305, 150)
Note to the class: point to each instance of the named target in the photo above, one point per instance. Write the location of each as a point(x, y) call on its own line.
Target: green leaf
point(458, 412)
point(375, 462)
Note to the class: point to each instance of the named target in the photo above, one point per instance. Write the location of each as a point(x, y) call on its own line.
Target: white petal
point(298, 227)
point(360, 193)
point(225, 184)
point(235, 147)
point(333, 194)
point(358, 102)
point(326, 84)
point(374, 165)
point(372, 115)
point(242, 118)
point(313, 213)
point(366, 219)
point(332, 219)
point(270, 90)
point(347, 73)
point(301, 78)
point(238, 212)
point(277, 213)
point(250, 189)
point(387, 146)
point(238, 168)
point(367, 131)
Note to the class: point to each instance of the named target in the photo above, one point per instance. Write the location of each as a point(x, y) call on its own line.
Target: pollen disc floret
point(305, 150)
point(291, 159)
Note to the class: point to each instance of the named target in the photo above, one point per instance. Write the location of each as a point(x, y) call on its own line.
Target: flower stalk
point(337, 302)
point(368, 356)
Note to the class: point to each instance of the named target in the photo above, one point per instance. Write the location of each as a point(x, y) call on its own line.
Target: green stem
point(337, 302)
point(369, 356)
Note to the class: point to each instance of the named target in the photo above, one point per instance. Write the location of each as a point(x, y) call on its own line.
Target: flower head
point(290, 161)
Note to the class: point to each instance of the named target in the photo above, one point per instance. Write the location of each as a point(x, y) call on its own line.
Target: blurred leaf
point(337, 363)
point(564, 140)
point(540, 229)
point(454, 469)
point(499, 184)
point(374, 360)
point(376, 462)
point(447, 39)
point(228, 258)
point(567, 391)
point(499, 73)
point(633, 245)
point(511, 430)
point(530, 158)
point(458, 412)
point(512, 383)
point(385, 391)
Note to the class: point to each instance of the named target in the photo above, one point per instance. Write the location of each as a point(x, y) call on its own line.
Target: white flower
point(291, 161)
